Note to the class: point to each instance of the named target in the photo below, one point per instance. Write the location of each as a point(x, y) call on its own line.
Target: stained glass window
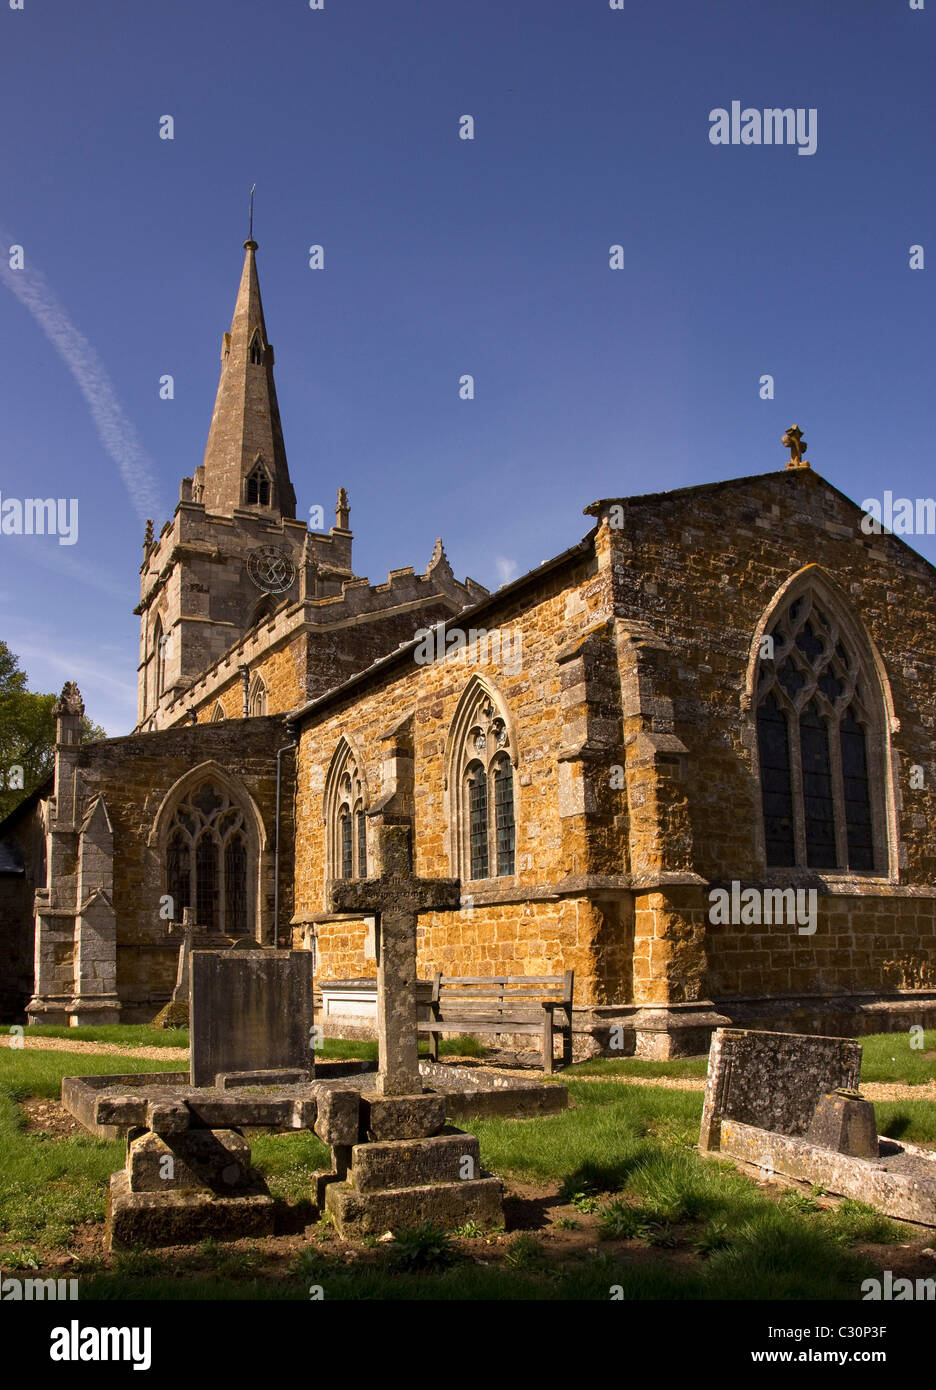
point(207, 859)
point(813, 745)
point(818, 805)
point(178, 874)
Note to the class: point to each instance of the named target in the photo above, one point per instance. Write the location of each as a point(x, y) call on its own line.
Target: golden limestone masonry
point(691, 758)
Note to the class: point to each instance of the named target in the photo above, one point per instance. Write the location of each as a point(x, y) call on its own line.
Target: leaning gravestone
point(773, 1080)
point(789, 1105)
point(251, 1011)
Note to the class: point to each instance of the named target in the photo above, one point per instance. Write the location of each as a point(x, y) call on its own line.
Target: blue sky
point(444, 257)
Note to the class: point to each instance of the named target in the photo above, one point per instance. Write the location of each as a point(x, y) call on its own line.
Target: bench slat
point(501, 1025)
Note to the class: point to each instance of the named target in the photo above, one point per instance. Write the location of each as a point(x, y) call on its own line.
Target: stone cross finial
point(68, 711)
point(794, 441)
point(395, 896)
point(342, 511)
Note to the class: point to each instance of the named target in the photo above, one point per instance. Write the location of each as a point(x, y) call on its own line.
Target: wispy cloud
point(77, 665)
point(116, 431)
point(33, 550)
point(505, 569)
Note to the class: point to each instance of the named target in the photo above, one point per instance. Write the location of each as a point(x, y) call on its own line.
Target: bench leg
point(433, 1047)
point(567, 1041)
point(548, 1043)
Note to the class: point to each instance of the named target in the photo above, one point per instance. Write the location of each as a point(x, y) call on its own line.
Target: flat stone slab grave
point(250, 1011)
point(109, 1106)
point(770, 1098)
point(163, 1116)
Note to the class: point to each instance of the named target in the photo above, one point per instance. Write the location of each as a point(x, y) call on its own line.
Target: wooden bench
point(502, 1004)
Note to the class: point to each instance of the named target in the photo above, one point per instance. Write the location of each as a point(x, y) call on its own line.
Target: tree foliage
point(27, 734)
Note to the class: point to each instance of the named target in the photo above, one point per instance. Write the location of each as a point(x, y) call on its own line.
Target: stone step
point(446, 1205)
point(448, 1157)
point(182, 1218)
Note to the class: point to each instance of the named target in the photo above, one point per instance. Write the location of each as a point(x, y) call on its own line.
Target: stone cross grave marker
point(188, 929)
point(395, 896)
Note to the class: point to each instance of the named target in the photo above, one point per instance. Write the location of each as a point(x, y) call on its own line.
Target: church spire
point(245, 458)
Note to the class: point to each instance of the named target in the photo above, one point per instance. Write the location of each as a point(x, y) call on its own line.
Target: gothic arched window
point(818, 722)
point(345, 810)
point(258, 487)
point(256, 349)
point(257, 697)
point(207, 860)
point(159, 654)
point(481, 778)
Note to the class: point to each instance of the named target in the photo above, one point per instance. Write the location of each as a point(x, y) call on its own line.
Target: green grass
point(287, 1161)
point(49, 1186)
point(625, 1152)
point(910, 1120)
point(637, 1066)
point(32, 1073)
point(885, 1057)
point(889, 1057)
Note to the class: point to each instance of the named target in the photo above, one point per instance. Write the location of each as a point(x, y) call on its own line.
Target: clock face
point(271, 569)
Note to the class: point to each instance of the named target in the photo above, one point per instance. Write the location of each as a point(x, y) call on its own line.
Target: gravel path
point(149, 1054)
point(872, 1090)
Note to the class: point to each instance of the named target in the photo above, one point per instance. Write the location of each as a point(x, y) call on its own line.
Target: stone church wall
point(535, 922)
point(702, 568)
point(666, 605)
point(134, 774)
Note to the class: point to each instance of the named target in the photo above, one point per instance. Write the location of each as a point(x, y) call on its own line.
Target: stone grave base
point(182, 1217)
point(182, 1184)
point(447, 1205)
point(900, 1182)
point(397, 1183)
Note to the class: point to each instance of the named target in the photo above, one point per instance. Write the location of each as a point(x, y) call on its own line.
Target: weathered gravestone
point(409, 1167)
point(789, 1104)
point(772, 1080)
point(251, 1011)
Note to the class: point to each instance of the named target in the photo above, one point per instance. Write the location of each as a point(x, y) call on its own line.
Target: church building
point(691, 758)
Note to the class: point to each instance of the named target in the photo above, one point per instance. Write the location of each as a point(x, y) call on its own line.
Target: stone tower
point(245, 458)
point(243, 609)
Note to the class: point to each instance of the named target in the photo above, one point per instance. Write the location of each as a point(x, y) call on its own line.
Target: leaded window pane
point(773, 740)
point(206, 881)
point(361, 844)
point(857, 793)
point(235, 886)
point(178, 874)
point(818, 802)
point(504, 816)
point(344, 827)
point(477, 821)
